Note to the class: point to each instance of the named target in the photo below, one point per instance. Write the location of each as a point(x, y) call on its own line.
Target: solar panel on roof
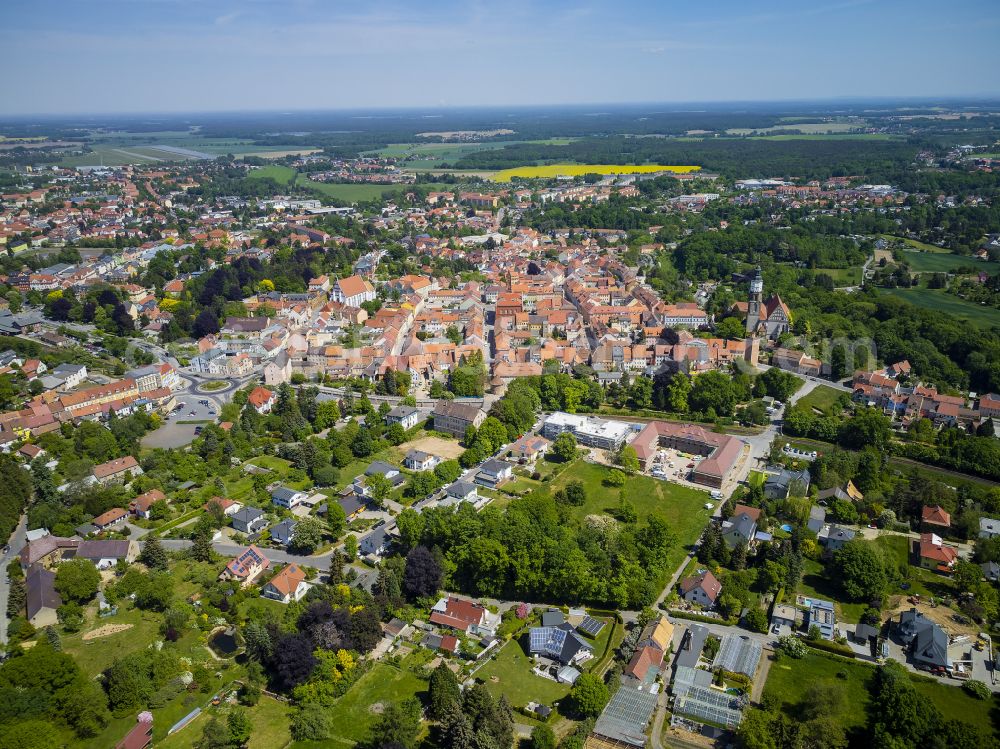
point(591, 626)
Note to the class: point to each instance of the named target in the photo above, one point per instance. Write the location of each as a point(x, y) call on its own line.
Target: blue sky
point(94, 56)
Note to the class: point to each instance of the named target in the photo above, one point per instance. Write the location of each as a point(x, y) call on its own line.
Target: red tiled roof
point(112, 467)
point(706, 581)
point(353, 285)
point(143, 502)
point(642, 660)
point(753, 512)
point(259, 396)
point(287, 580)
point(935, 515)
point(111, 516)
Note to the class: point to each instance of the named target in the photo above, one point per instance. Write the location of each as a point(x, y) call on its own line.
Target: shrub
point(977, 689)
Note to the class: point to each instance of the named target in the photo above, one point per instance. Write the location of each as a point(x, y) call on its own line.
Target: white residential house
point(407, 416)
point(287, 586)
point(418, 460)
point(288, 498)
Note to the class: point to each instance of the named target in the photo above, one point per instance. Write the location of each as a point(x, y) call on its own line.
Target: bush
point(977, 689)
point(831, 647)
point(756, 620)
point(311, 723)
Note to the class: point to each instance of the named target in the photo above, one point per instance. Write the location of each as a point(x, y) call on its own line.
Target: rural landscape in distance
point(564, 375)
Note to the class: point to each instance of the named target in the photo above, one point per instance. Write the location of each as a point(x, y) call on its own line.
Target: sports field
point(937, 299)
point(574, 170)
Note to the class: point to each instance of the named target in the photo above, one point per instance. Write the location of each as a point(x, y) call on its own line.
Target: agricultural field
point(937, 299)
point(120, 148)
point(807, 128)
point(827, 136)
point(420, 156)
point(574, 170)
point(945, 262)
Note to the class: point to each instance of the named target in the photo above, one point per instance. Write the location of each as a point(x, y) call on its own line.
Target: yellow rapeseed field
point(573, 170)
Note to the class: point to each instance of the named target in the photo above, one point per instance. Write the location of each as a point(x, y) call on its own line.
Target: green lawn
point(843, 276)
point(823, 398)
point(283, 175)
point(956, 703)
point(682, 507)
point(613, 632)
point(815, 584)
point(922, 582)
point(270, 725)
point(97, 654)
point(510, 673)
point(942, 262)
point(941, 301)
point(916, 243)
point(787, 677)
point(352, 715)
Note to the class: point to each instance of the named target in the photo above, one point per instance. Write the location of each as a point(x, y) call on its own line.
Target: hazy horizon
point(168, 57)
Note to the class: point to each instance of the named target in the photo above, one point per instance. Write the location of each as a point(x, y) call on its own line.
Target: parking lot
point(675, 466)
point(193, 407)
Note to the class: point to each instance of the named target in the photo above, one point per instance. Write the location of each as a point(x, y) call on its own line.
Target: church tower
point(756, 302)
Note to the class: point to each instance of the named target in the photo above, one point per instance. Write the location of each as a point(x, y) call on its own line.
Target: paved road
point(227, 549)
point(17, 542)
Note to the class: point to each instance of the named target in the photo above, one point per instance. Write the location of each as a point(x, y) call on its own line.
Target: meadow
point(945, 262)
point(575, 170)
point(823, 398)
point(351, 193)
point(941, 301)
point(786, 678)
point(283, 175)
point(682, 507)
point(843, 276)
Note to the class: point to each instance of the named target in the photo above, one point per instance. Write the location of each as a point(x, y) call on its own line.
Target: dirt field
point(447, 449)
point(941, 615)
point(883, 255)
point(105, 631)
